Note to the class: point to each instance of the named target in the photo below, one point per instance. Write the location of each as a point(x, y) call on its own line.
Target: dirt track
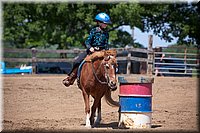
point(41, 102)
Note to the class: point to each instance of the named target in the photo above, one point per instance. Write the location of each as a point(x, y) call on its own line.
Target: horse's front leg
point(93, 111)
point(87, 109)
point(98, 112)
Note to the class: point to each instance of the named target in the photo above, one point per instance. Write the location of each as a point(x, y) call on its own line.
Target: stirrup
point(78, 82)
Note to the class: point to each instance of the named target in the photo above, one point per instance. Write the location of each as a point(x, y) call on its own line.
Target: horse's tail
point(109, 99)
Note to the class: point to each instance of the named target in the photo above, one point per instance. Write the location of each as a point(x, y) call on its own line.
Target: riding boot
point(71, 78)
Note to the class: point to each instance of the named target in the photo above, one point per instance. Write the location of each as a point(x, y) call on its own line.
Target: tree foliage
point(47, 24)
point(67, 25)
point(174, 20)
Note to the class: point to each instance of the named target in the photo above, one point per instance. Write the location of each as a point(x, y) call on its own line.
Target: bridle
point(106, 73)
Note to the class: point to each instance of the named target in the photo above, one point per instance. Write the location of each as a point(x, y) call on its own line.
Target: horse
point(98, 79)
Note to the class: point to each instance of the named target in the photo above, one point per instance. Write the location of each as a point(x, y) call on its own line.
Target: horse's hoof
point(97, 123)
point(88, 126)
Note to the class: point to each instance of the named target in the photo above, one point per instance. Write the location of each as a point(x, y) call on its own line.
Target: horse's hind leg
point(87, 108)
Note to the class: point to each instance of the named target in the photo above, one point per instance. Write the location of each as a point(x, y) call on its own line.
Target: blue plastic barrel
point(135, 101)
point(135, 104)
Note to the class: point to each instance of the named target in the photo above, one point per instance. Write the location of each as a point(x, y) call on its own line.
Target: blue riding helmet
point(103, 17)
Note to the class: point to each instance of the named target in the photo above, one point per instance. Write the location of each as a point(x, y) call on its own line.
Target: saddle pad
point(80, 68)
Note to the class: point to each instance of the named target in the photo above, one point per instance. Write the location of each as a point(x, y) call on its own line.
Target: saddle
point(92, 57)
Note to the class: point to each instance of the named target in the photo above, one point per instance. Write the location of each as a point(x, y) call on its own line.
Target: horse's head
point(110, 66)
point(106, 65)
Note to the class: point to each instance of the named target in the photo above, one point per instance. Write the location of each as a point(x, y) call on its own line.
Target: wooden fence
point(123, 54)
point(148, 59)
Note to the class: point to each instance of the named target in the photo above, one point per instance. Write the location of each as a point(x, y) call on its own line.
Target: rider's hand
point(91, 49)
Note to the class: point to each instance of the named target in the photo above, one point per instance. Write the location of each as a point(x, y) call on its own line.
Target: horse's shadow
point(114, 125)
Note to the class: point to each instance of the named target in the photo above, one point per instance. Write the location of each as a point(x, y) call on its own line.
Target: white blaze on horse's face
point(110, 71)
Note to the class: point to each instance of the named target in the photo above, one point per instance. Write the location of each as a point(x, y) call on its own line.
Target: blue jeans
point(78, 60)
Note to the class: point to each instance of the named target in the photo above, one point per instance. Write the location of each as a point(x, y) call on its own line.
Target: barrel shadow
point(156, 126)
point(113, 125)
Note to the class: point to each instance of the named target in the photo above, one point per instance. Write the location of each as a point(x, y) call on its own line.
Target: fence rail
point(189, 65)
point(185, 64)
point(33, 59)
point(149, 59)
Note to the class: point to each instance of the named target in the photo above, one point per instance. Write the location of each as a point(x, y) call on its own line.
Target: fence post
point(33, 60)
point(128, 69)
point(150, 56)
point(185, 60)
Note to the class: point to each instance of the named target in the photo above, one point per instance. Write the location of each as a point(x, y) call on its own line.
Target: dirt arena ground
point(42, 102)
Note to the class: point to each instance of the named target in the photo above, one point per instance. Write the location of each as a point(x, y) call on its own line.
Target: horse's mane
point(100, 54)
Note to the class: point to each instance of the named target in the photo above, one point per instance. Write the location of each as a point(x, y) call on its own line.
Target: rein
point(102, 82)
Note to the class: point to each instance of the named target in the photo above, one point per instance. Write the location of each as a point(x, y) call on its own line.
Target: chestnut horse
point(98, 78)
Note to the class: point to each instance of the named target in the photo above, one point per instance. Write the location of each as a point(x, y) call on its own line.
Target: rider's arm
point(89, 39)
point(106, 41)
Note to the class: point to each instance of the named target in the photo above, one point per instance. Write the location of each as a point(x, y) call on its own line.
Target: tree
point(67, 25)
point(173, 20)
point(166, 20)
point(32, 25)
